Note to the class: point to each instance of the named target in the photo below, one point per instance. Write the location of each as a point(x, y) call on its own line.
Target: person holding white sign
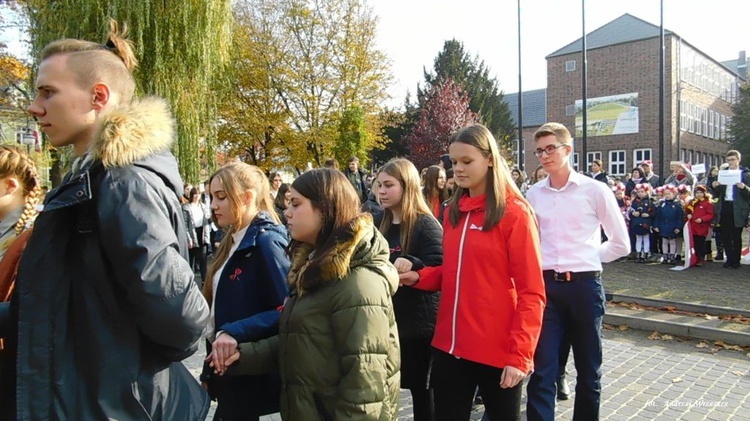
point(733, 206)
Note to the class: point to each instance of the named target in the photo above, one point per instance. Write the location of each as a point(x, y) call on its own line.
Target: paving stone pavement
point(648, 380)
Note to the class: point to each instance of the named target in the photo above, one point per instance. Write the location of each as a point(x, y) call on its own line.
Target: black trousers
point(699, 243)
point(455, 380)
point(731, 236)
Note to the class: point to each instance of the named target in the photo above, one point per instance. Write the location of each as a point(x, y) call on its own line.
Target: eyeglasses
point(549, 149)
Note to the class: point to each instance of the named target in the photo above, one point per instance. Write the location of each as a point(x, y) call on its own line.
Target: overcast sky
point(412, 32)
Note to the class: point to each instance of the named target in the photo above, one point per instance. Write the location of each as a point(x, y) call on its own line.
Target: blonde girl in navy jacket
point(246, 284)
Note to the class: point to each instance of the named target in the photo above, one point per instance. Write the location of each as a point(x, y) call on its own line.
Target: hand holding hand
point(656, 229)
point(511, 377)
point(408, 278)
point(222, 348)
point(402, 265)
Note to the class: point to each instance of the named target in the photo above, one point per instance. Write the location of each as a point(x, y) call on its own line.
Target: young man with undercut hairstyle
point(105, 306)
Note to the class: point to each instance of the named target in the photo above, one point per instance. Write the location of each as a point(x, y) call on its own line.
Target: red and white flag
point(690, 258)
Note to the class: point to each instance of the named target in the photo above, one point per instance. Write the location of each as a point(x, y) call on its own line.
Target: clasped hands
point(406, 276)
point(224, 352)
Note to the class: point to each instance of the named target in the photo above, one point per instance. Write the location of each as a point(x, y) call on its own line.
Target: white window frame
point(570, 66)
point(575, 161)
point(640, 155)
point(618, 162)
point(711, 124)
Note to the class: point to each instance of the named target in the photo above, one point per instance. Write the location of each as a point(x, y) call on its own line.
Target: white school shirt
point(237, 237)
point(570, 220)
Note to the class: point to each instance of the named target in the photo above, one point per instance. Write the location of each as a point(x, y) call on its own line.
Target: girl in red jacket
point(490, 311)
point(700, 213)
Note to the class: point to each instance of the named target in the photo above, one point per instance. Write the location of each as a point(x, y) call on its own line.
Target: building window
point(723, 127)
point(591, 156)
point(570, 65)
point(575, 161)
point(691, 118)
point(704, 121)
point(570, 109)
point(716, 125)
point(683, 116)
point(682, 155)
point(617, 163)
point(640, 155)
point(711, 124)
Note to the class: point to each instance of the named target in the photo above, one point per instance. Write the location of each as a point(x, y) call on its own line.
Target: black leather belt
point(551, 275)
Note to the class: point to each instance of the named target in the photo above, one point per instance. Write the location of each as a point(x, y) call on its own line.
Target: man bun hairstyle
point(112, 63)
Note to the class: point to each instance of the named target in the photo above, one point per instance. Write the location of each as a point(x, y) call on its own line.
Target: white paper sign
point(730, 177)
point(699, 168)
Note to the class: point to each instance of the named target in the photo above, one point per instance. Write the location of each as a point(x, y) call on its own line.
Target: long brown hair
point(413, 203)
point(14, 162)
point(330, 192)
point(499, 181)
point(431, 189)
point(236, 178)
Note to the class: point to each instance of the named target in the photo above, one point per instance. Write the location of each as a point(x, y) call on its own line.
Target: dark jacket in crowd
point(337, 350)
point(359, 181)
point(252, 287)
point(740, 204)
point(602, 176)
point(372, 206)
point(669, 217)
point(416, 310)
point(640, 225)
point(105, 303)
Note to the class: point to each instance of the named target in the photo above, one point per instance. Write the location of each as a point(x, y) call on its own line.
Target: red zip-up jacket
point(492, 288)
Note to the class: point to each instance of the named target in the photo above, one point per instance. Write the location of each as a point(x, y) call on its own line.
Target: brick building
point(623, 98)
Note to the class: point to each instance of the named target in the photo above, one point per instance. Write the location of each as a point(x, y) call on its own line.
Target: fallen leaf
point(677, 380)
point(623, 327)
point(670, 308)
point(710, 317)
point(738, 373)
point(703, 344)
point(655, 336)
point(667, 337)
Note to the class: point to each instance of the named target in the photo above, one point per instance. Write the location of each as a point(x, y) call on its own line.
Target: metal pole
point(661, 89)
point(520, 97)
point(584, 115)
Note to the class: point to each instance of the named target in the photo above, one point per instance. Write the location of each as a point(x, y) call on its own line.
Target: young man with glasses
point(571, 208)
point(732, 210)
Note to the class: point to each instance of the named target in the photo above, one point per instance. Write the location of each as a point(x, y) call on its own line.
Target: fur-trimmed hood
point(139, 133)
point(366, 248)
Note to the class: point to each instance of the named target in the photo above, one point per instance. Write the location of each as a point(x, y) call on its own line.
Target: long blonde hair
point(499, 180)
point(14, 162)
point(413, 203)
point(236, 178)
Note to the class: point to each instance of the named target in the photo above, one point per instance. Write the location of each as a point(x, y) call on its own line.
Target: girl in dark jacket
point(669, 223)
point(281, 202)
point(245, 285)
point(641, 214)
point(413, 235)
point(434, 190)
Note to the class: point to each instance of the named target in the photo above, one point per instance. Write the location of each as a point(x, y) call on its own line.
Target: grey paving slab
point(648, 380)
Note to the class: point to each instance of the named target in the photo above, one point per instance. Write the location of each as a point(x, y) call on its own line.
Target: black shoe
point(736, 266)
point(727, 265)
point(563, 391)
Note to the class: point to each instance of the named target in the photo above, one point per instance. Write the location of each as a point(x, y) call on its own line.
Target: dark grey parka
point(105, 302)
